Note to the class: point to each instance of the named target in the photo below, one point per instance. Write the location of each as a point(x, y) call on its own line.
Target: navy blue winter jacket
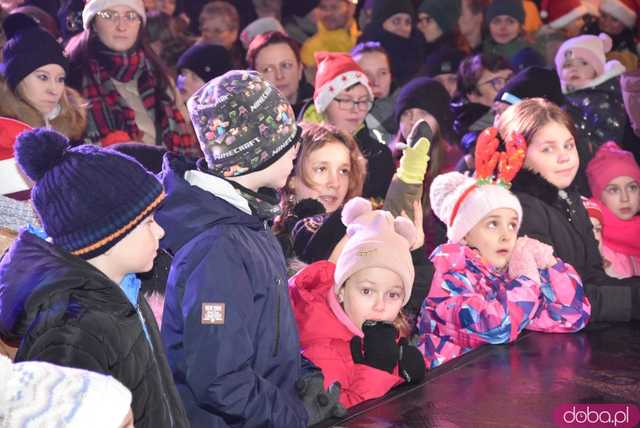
point(237, 368)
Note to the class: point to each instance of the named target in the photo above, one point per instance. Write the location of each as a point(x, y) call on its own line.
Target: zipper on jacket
point(276, 344)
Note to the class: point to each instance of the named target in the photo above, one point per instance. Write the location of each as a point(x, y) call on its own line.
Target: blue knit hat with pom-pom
point(87, 198)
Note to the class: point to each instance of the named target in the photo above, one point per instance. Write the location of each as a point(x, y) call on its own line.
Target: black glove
point(380, 348)
point(320, 404)
point(411, 364)
point(421, 129)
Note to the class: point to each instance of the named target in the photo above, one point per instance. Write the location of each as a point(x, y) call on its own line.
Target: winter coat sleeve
point(219, 357)
point(358, 382)
point(472, 312)
point(564, 307)
point(630, 84)
point(610, 299)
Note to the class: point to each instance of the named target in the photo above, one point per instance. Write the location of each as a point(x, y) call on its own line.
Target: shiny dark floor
point(516, 385)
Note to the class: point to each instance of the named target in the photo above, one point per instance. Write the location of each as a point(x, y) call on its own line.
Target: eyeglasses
point(346, 104)
point(130, 17)
point(497, 82)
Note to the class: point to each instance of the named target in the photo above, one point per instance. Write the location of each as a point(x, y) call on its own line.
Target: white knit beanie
point(94, 6)
point(459, 202)
point(376, 239)
point(38, 394)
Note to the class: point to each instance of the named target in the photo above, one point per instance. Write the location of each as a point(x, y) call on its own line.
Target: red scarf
point(622, 236)
point(109, 111)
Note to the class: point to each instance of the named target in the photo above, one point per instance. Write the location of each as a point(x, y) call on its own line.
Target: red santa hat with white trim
point(13, 183)
point(623, 10)
point(557, 14)
point(337, 71)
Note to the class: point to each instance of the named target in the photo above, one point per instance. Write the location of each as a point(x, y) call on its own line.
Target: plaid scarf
point(108, 109)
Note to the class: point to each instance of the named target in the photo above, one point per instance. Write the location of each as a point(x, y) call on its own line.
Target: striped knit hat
point(87, 198)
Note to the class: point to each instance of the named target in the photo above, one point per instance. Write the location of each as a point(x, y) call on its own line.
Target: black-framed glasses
point(348, 104)
point(497, 82)
point(130, 17)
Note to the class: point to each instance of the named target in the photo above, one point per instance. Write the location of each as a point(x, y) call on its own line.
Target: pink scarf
point(622, 236)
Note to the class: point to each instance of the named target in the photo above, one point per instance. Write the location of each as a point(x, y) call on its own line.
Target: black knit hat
point(87, 198)
point(532, 82)
point(512, 8)
point(26, 50)
point(207, 61)
point(383, 9)
point(445, 12)
point(429, 95)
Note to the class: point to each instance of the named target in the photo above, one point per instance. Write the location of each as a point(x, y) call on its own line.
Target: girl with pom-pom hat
point(348, 313)
point(68, 293)
point(489, 285)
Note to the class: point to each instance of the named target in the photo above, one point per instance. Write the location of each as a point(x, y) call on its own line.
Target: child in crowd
point(614, 178)
point(227, 326)
point(489, 285)
point(617, 18)
point(329, 169)
point(199, 64)
point(591, 85)
point(79, 303)
point(552, 208)
point(505, 19)
point(343, 98)
point(349, 314)
point(35, 393)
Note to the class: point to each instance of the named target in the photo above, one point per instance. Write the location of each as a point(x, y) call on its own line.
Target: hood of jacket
point(35, 274)
point(311, 292)
point(188, 210)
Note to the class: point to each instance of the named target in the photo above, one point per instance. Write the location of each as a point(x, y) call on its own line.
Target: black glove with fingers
point(319, 403)
point(411, 365)
point(379, 348)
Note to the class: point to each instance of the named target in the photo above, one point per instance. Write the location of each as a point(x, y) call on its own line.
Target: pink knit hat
point(461, 203)
point(610, 162)
point(376, 239)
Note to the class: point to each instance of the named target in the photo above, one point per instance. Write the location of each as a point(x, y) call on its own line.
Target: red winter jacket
point(325, 332)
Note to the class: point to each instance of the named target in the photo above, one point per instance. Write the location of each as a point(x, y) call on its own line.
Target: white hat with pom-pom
point(376, 239)
point(461, 203)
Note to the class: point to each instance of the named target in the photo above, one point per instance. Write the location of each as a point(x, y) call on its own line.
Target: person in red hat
point(566, 16)
point(618, 20)
point(343, 98)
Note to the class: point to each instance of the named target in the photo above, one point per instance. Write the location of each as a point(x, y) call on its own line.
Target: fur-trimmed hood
point(534, 184)
point(71, 121)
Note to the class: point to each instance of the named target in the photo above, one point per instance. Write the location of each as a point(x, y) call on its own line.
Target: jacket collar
point(534, 184)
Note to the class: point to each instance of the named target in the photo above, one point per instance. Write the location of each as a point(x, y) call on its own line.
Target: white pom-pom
point(443, 193)
point(405, 228)
point(544, 14)
point(607, 44)
point(354, 209)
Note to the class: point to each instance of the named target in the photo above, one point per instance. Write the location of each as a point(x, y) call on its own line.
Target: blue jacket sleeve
point(219, 357)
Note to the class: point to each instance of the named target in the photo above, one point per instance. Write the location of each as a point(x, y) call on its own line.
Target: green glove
point(415, 157)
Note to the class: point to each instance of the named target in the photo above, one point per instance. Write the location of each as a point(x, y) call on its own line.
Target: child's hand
point(412, 365)
point(542, 253)
point(415, 155)
point(523, 262)
point(380, 348)
point(319, 403)
point(417, 222)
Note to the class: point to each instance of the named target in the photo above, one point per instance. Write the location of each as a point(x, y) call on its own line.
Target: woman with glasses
point(343, 98)
point(130, 94)
point(480, 77)
point(277, 57)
